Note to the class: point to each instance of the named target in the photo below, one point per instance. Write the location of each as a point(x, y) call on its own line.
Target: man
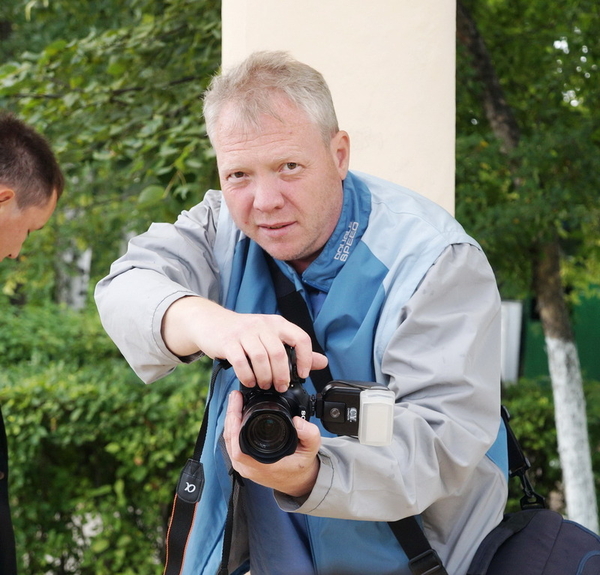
point(30, 184)
point(399, 294)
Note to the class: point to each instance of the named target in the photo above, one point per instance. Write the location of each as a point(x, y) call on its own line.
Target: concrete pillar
point(390, 65)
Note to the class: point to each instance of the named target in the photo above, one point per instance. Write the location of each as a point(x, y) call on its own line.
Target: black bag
point(537, 542)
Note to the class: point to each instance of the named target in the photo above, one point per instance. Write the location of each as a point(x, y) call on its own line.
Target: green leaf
point(151, 195)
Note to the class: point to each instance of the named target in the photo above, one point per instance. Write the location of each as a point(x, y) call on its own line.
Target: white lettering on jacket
point(343, 250)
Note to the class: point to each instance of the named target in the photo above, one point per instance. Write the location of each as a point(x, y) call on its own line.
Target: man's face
point(280, 181)
point(16, 224)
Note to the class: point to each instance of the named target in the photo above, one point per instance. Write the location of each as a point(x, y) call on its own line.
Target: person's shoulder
point(408, 208)
point(400, 197)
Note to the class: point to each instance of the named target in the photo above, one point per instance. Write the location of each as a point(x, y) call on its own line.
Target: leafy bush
point(95, 456)
point(39, 334)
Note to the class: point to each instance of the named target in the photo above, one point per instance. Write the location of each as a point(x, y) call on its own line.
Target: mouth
point(275, 226)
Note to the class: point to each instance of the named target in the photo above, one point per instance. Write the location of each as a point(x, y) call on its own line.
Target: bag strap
point(423, 559)
point(518, 465)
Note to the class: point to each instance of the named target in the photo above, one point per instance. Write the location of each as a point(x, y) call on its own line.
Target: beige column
point(390, 65)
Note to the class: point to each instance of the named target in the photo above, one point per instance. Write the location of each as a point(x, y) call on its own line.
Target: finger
point(241, 366)
point(302, 345)
point(233, 422)
point(279, 365)
point(259, 358)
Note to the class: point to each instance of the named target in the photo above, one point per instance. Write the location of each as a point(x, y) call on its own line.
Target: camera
point(355, 408)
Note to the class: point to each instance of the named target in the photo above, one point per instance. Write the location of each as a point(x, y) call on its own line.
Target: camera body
point(359, 409)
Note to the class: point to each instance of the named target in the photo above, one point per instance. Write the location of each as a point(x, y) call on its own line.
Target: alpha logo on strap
point(191, 481)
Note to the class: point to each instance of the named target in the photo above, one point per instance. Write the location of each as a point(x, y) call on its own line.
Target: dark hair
point(27, 163)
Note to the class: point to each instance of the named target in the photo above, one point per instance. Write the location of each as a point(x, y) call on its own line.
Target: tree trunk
point(567, 388)
point(73, 272)
point(74, 278)
point(563, 359)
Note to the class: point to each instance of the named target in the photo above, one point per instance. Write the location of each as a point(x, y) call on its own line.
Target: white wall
point(390, 65)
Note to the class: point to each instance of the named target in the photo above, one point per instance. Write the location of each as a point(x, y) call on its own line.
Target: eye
point(236, 175)
point(290, 166)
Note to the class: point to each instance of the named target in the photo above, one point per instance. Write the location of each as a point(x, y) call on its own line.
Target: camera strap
point(293, 308)
point(187, 495)
point(423, 559)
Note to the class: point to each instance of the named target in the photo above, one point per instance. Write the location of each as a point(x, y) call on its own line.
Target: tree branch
point(497, 111)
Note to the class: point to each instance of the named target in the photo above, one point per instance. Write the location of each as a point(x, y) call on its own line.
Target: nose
point(14, 253)
point(268, 195)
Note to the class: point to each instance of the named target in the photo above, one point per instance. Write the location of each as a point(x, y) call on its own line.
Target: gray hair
point(252, 85)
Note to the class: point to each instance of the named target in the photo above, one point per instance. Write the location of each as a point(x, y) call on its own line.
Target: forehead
point(279, 114)
point(288, 132)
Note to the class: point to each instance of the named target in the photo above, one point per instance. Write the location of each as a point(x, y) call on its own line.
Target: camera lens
point(268, 433)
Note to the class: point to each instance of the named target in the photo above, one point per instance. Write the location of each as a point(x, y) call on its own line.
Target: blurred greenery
point(95, 454)
point(546, 57)
point(116, 86)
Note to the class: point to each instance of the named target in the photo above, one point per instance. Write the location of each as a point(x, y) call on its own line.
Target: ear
point(6, 195)
point(340, 149)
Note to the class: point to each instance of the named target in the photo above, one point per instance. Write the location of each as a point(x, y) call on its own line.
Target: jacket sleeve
point(168, 262)
point(443, 363)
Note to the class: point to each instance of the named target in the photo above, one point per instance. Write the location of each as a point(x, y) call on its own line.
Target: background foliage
point(550, 79)
point(117, 90)
point(95, 455)
point(531, 408)
point(537, 187)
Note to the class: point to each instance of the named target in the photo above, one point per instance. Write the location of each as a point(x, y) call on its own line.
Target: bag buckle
point(428, 563)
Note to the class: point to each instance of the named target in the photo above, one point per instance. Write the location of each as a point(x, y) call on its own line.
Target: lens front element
point(268, 433)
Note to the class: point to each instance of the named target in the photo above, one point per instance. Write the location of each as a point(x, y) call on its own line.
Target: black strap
point(237, 483)
point(293, 308)
point(422, 558)
point(518, 465)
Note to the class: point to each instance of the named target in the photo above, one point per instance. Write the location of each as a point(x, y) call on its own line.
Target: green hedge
point(39, 334)
point(95, 456)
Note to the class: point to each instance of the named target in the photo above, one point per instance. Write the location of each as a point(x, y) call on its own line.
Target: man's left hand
point(294, 475)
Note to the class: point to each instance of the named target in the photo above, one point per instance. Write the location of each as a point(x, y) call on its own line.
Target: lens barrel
point(267, 432)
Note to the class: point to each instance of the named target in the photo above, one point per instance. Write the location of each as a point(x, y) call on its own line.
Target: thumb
point(319, 361)
point(308, 433)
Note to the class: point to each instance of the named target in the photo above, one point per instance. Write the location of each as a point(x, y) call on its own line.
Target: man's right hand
point(252, 343)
